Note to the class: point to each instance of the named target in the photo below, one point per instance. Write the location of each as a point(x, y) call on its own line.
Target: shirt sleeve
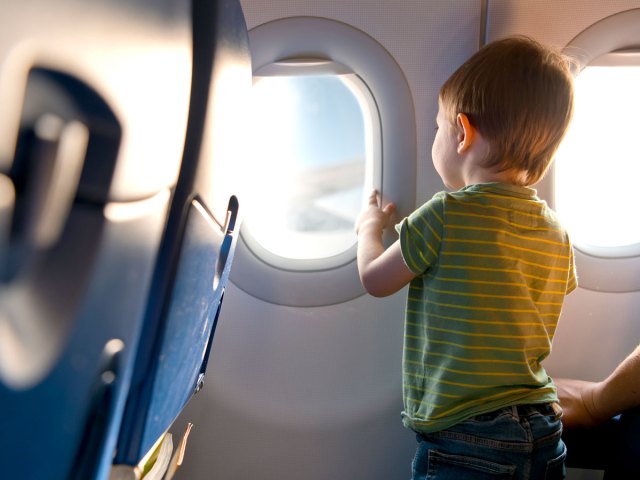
point(572, 281)
point(421, 235)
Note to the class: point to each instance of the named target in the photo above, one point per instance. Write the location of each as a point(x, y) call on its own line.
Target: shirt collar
point(501, 189)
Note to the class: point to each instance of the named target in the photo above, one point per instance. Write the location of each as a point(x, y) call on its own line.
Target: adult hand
point(577, 402)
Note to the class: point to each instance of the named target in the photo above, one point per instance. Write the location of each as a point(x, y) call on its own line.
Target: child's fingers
point(389, 208)
point(373, 198)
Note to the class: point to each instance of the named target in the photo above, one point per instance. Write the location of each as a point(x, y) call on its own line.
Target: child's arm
point(382, 272)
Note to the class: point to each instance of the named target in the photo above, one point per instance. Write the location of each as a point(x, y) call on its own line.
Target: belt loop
point(557, 410)
point(514, 411)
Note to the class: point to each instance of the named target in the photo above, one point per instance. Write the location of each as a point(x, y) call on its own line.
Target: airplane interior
point(179, 185)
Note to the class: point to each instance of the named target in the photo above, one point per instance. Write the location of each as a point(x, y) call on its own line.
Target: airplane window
point(331, 114)
point(598, 164)
point(309, 156)
point(590, 181)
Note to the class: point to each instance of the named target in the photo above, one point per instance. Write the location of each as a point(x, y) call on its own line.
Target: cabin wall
point(315, 392)
point(551, 22)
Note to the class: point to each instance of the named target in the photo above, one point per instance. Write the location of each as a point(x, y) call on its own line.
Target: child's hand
point(373, 216)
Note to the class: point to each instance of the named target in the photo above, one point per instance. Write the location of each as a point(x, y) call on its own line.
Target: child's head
point(518, 94)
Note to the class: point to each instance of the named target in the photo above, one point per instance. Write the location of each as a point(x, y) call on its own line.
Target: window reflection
point(308, 158)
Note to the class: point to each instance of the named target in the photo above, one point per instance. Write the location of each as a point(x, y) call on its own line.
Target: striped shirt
point(493, 266)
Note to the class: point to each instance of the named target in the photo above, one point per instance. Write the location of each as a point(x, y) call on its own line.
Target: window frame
point(327, 281)
point(605, 269)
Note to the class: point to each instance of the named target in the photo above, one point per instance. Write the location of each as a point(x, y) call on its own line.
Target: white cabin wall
point(315, 393)
point(550, 21)
point(597, 329)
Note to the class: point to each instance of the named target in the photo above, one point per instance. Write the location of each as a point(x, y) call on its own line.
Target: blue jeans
point(520, 442)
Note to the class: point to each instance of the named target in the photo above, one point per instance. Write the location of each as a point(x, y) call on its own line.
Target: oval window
point(594, 168)
point(309, 154)
point(598, 163)
point(331, 114)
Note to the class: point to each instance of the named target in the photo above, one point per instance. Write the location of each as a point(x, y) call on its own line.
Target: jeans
point(519, 442)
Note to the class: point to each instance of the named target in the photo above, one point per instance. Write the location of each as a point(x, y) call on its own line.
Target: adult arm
point(590, 403)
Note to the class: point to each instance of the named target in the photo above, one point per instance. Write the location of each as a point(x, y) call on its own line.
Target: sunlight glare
point(307, 151)
point(597, 165)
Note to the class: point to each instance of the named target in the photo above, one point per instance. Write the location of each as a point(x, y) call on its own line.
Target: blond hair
point(519, 95)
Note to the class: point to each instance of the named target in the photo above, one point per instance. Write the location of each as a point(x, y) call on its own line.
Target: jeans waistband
point(526, 410)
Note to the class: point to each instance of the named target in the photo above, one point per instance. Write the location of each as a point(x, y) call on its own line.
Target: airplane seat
point(612, 447)
point(105, 220)
point(170, 368)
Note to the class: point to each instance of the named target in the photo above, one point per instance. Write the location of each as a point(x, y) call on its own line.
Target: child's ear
point(466, 133)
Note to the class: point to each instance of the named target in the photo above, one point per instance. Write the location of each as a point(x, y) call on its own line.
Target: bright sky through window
point(598, 164)
point(307, 165)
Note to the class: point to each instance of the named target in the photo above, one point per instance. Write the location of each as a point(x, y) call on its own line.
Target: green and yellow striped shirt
point(493, 265)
